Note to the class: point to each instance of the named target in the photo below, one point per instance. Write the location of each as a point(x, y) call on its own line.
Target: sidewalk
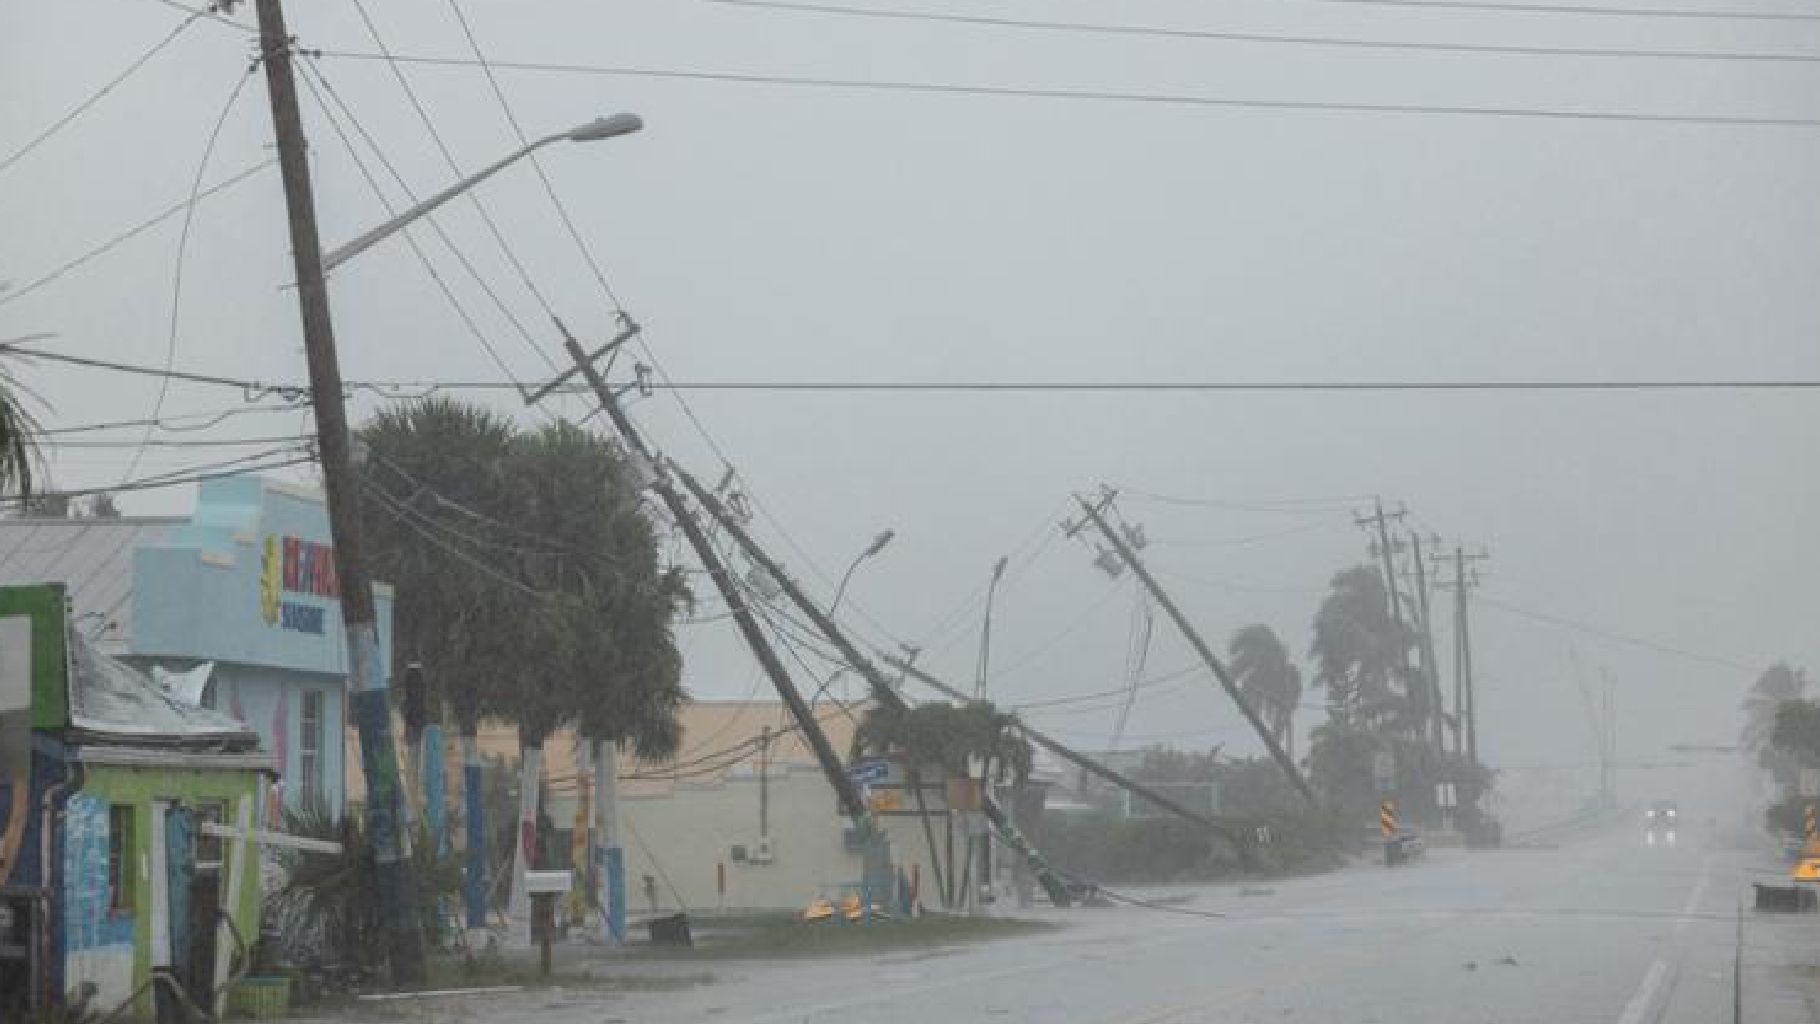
point(1779, 968)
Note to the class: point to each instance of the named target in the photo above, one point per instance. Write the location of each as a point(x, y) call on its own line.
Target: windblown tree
point(1777, 684)
point(600, 651)
point(1361, 653)
point(1269, 681)
point(435, 490)
point(1768, 734)
point(19, 454)
point(946, 738)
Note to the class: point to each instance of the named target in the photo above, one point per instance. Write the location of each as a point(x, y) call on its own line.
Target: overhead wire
point(183, 238)
point(88, 103)
point(1502, 112)
point(1615, 637)
point(1038, 387)
point(1345, 42)
point(168, 423)
point(442, 285)
point(13, 294)
point(1591, 10)
point(473, 198)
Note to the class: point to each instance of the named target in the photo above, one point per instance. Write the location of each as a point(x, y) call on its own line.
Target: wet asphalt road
point(1600, 928)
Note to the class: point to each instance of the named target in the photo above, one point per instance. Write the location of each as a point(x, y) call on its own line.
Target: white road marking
point(1637, 1009)
point(1693, 898)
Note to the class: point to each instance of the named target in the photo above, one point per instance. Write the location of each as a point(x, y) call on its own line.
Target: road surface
point(1600, 928)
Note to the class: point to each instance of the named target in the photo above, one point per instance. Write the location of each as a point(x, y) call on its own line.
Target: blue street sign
point(872, 769)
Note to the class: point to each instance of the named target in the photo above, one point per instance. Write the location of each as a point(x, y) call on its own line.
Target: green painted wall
point(45, 603)
point(139, 787)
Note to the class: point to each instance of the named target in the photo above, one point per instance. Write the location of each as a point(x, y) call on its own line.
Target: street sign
point(872, 769)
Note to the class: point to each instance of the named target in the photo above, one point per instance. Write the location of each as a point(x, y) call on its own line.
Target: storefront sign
point(293, 565)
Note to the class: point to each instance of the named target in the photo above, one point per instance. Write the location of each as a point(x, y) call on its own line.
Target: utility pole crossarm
point(1212, 660)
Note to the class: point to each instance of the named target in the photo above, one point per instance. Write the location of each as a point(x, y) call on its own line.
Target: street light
point(877, 545)
point(979, 682)
point(593, 131)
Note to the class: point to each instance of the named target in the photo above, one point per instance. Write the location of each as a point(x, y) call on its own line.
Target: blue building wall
point(249, 584)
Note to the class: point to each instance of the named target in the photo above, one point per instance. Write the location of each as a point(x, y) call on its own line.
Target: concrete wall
point(683, 836)
point(112, 949)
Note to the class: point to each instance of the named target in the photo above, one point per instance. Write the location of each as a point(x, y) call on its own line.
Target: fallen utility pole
point(1087, 764)
point(366, 677)
point(882, 691)
point(1130, 556)
point(844, 786)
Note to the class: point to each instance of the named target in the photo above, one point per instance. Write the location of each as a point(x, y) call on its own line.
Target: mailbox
point(538, 883)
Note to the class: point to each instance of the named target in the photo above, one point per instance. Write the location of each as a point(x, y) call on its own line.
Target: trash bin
point(670, 931)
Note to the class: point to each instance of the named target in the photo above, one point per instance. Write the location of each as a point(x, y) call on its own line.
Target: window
point(208, 848)
point(121, 874)
point(309, 749)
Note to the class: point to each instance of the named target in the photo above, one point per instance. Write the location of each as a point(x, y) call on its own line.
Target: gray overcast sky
point(788, 232)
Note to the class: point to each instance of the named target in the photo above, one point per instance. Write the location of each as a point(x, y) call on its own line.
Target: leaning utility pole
point(1089, 765)
point(366, 677)
point(844, 787)
point(1125, 551)
point(882, 690)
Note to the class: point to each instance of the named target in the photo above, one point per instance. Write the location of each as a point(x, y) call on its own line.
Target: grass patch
point(784, 936)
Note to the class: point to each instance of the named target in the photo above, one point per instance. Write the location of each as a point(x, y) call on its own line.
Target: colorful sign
point(292, 565)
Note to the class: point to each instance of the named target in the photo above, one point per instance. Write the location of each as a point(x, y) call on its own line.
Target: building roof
point(92, 557)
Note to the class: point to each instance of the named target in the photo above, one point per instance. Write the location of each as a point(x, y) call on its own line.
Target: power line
point(162, 480)
point(1635, 641)
point(226, 442)
point(448, 156)
point(95, 97)
point(1108, 96)
point(183, 239)
point(132, 232)
point(562, 211)
point(1006, 386)
point(312, 76)
point(1153, 31)
point(211, 418)
point(1592, 10)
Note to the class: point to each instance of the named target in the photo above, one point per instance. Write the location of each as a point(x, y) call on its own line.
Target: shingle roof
point(93, 557)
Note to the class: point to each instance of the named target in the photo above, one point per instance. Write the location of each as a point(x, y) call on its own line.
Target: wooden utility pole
point(1431, 673)
point(1466, 731)
point(882, 690)
point(1125, 551)
point(366, 677)
point(851, 801)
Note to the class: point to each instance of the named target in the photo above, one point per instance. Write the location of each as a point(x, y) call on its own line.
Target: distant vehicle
point(1662, 818)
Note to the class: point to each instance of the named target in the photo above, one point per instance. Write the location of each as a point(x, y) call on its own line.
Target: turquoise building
point(246, 583)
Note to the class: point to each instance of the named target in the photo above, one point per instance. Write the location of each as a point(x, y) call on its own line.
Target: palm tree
point(944, 737)
point(601, 654)
point(1267, 679)
point(20, 463)
point(1778, 683)
point(436, 482)
point(1360, 652)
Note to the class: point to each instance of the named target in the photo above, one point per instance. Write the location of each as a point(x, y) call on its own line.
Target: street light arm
point(390, 227)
